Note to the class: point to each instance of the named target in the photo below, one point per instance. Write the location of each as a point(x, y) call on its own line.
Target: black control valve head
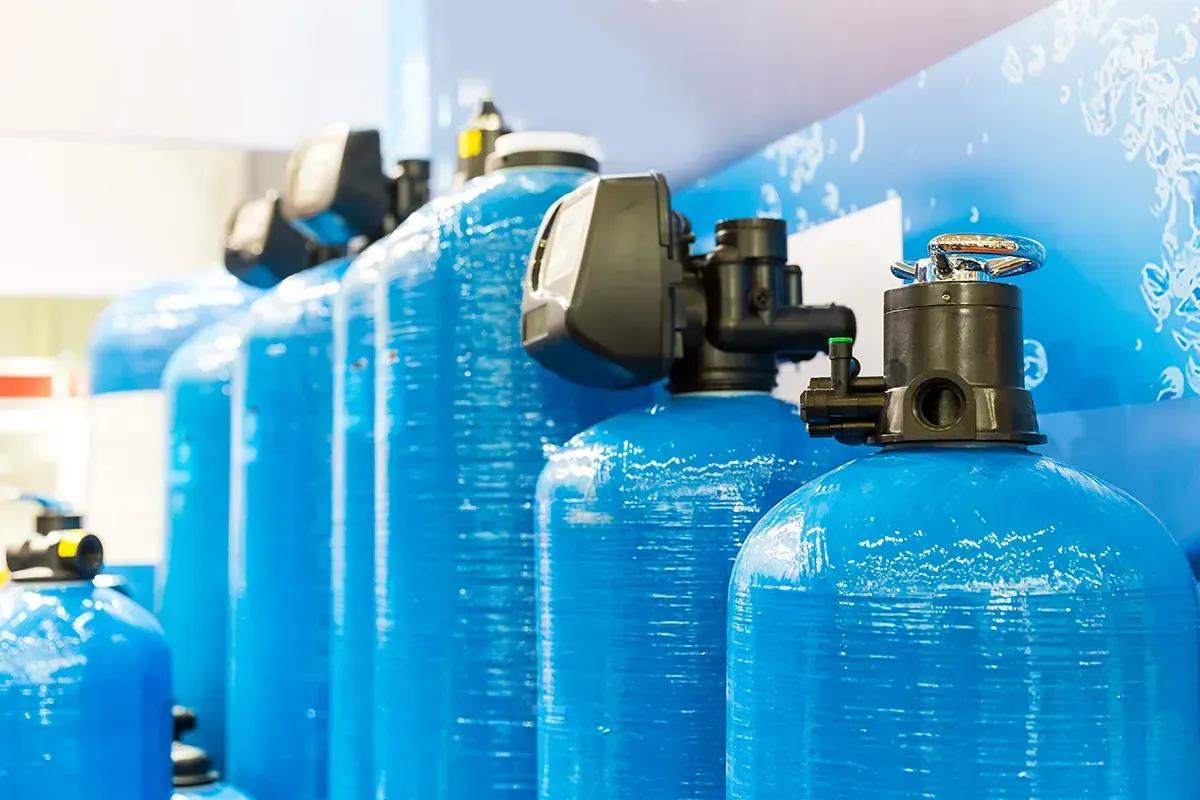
point(334, 189)
point(263, 248)
point(614, 298)
point(953, 354)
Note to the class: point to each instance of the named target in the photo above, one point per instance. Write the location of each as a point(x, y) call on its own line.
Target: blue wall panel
point(1076, 126)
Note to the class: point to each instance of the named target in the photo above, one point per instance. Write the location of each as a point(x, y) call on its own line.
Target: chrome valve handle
point(973, 257)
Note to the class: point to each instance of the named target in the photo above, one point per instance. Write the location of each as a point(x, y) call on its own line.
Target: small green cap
point(842, 340)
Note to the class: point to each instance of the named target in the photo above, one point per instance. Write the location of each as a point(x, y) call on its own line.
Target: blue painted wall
point(1077, 126)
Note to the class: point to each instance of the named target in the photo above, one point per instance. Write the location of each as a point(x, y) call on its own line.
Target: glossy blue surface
point(352, 649)
point(962, 622)
point(280, 539)
point(194, 607)
point(212, 791)
point(135, 336)
point(639, 521)
point(464, 419)
point(85, 695)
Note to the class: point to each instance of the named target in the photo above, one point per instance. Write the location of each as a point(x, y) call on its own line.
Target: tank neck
point(549, 159)
point(48, 584)
point(718, 393)
point(705, 369)
point(1012, 447)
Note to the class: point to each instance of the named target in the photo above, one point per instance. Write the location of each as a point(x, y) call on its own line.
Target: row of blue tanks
point(500, 505)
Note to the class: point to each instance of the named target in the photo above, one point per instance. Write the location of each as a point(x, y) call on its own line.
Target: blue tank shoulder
point(135, 336)
point(639, 521)
point(85, 695)
point(971, 605)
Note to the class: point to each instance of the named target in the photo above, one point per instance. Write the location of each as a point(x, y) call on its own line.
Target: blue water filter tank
point(85, 680)
point(194, 596)
point(464, 421)
point(639, 520)
point(352, 645)
point(129, 347)
point(281, 518)
point(957, 616)
point(194, 607)
point(640, 517)
point(276, 732)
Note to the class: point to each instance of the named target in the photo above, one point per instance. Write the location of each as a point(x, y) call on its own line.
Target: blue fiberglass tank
point(352, 645)
point(85, 694)
point(639, 518)
point(129, 347)
point(465, 418)
point(957, 616)
point(261, 247)
point(277, 723)
point(194, 775)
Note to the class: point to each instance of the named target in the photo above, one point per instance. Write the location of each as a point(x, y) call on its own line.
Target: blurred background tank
point(130, 345)
point(84, 680)
point(352, 649)
point(956, 614)
point(194, 775)
point(639, 518)
point(277, 729)
point(464, 424)
point(261, 248)
point(477, 141)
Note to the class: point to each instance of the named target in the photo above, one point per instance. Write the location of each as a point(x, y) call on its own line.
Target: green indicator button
point(842, 340)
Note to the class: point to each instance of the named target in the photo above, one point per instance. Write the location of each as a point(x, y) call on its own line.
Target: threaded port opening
point(939, 404)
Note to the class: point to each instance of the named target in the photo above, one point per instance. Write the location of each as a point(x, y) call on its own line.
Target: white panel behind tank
point(242, 73)
point(99, 218)
point(127, 473)
point(847, 261)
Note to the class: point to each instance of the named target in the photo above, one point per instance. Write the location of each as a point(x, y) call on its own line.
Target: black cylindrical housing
point(954, 365)
point(411, 184)
point(754, 237)
point(48, 522)
point(970, 329)
point(704, 368)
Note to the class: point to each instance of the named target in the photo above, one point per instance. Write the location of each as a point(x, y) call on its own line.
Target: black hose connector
point(748, 300)
point(59, 556)
point(844, 406)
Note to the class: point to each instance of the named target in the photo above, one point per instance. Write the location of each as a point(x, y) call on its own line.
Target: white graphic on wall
point(1139, 91)
point(1036, 364)
point(798, 156)
point(861, 144)
point(769, 202)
